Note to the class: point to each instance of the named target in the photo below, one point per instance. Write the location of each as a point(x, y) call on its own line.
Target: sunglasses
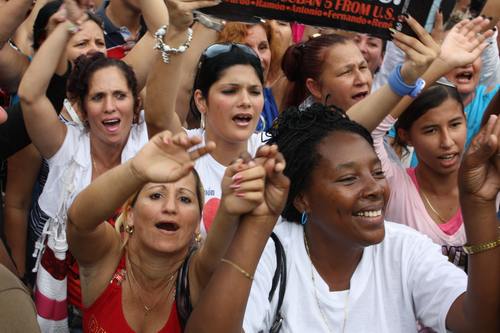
point(217, 49)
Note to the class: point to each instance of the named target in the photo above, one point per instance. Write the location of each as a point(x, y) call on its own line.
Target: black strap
point(279, 275)
point(182, 295)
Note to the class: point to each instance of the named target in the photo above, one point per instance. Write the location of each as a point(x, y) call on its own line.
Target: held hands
point(75, 13)
point(181, 11)
point(479, 176)
point(165, 158)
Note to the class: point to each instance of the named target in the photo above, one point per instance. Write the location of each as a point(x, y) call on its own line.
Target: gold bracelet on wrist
point(474, 249)
point(238, 268)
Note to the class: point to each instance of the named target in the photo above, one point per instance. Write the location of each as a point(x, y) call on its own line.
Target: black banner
point(369, 16)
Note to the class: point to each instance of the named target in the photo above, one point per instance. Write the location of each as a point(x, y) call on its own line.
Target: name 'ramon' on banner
point(370, 16)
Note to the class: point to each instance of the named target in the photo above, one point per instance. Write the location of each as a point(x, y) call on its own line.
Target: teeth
point(447, 157)
point(370, 213)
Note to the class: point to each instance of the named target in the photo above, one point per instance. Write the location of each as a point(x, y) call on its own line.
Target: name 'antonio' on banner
point(370, 16)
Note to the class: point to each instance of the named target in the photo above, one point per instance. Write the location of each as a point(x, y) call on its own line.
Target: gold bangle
point(241, 270)
point(473, 249)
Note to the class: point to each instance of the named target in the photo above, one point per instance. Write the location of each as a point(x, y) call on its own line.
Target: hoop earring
point(129, 229)
point(303, 218)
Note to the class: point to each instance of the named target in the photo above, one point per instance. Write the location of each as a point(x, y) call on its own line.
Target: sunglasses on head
point(218, 49)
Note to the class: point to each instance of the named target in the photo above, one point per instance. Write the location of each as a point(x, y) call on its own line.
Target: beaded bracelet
point(399, 87)
point(166, 49)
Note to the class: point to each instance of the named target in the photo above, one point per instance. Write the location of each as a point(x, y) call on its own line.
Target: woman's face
point(345, 79)
point(439, 137)
point(87, 41)
point(256, 39)
point(466, 78)
point(233, 105)
point(109, 106)
point(348, 191)
point(372, 50)
point(166, 216)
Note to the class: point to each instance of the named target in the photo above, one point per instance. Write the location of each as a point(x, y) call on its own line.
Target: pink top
point(405, 205)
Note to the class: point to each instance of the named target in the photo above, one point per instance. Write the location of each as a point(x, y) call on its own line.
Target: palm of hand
point(483, 182)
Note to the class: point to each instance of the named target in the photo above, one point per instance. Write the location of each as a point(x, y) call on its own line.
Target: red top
point(105, 315)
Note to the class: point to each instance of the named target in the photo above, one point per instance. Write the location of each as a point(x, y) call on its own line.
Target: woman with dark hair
point(426, 197)
point(347, 269)
point(228, 93)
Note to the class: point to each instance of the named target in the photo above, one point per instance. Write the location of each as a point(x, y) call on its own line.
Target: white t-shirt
point(211, 173)
point(70, 169)
point(403, 279)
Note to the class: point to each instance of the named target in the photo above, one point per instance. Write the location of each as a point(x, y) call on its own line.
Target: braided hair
point(298, 134)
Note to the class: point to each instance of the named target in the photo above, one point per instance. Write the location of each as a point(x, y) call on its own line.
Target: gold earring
point(129, 229)
point(198, 238)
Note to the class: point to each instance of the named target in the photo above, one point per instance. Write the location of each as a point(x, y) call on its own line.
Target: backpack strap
point(279, 275)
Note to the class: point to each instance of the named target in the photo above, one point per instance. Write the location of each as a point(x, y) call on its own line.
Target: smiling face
point(256, 39)
point(109, 106)
point(233, 105)
point(372, 50)
point(166, 216)
point(348, 191)
point(439, 137)
point(89, 40)
point(345, 79)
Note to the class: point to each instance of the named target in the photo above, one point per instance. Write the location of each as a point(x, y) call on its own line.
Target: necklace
point(148, 308)
point(432, 208)
point(322, 312)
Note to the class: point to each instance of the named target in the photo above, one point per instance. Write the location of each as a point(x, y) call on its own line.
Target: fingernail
point(237, 177)
point(392, 31)
point(235, 186)
point(251, 164)
point(406, 15)
point(240, 194)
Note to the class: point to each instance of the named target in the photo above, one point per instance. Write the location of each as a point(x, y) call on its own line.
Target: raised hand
point(420, 53)
point(242, 186)
point(479, 175)
point(167, 158)
point(465, 42)
point(276, 185)
point(75, 13)
point(181, 11)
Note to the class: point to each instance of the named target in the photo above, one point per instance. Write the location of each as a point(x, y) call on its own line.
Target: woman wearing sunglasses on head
point(228, 92)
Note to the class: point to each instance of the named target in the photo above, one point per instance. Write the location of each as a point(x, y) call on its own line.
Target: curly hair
point(298, 135)
point(86, 66)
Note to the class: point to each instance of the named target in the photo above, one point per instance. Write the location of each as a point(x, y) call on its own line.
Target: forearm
point(481, 302)
point(229, 289)
point(13, 14)
point(493, 109)
point(103, 196)
point(213, 249)
point(16, 229)
point(37, 77)
point(162, 86)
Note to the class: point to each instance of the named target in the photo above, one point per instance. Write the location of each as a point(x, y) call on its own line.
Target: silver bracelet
point(165, 49)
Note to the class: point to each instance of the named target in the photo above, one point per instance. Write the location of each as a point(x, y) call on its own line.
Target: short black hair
point(298, 134)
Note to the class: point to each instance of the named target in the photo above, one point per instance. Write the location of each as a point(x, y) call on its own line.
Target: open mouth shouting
point(112, 125)
point(169, 227)
point(243, 119)
point(464, 77)
point(359, 96)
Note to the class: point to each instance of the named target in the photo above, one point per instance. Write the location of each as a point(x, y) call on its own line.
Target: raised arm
point(164, 79)
point(39, 114)
point(479, 182)
point(229, 287)
point(13, 14)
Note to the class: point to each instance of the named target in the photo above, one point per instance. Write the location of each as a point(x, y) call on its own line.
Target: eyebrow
point(352, 164)
point(163, 187)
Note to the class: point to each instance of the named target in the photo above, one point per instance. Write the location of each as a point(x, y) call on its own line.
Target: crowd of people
point(167, 171)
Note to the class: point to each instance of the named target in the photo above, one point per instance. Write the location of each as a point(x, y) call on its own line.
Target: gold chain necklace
point(432, 208)
point(149, 308)
point(323, 315)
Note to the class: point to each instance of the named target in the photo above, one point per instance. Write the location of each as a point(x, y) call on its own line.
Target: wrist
point(137, 175)
point(401, 87)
